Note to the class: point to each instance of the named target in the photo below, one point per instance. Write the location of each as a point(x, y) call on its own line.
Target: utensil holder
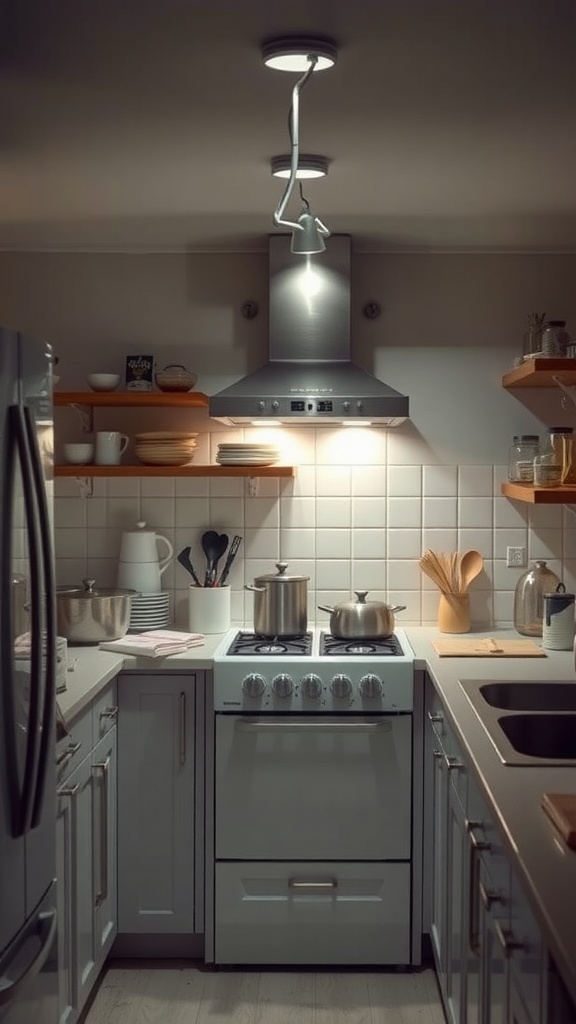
point(454, 613)
point(209, 609)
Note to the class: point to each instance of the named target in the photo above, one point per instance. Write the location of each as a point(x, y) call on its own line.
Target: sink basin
point(529, 723)
point(549, 736)
point(537, 696)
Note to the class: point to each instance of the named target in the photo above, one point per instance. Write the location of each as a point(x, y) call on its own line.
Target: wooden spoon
point(471, 564)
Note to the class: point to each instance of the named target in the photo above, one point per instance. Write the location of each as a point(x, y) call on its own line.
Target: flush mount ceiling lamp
point(308, 232)
point(291, 53)
point(309, 166)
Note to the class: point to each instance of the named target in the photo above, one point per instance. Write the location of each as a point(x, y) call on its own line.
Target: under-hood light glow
point(356, 423)
point(266, 423)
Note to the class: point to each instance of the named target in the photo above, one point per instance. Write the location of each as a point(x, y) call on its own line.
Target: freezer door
point(29, 969)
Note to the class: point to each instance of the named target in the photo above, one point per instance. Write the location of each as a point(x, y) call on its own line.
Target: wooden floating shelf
point(539, 373)
point(540, 495)
point(238, 471)
point(134, 399)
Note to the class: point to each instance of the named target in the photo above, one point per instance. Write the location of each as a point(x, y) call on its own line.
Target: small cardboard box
point(139, 373)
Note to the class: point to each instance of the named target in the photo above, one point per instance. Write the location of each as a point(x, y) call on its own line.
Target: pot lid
point(89, 589)
point(282, 576)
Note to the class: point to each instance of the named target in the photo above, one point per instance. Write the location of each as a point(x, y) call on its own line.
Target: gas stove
point(313, 672)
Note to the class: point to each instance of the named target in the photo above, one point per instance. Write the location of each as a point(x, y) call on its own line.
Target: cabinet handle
point(69, 790)
point(182, 728)
point(65, 756)
point(489, 896)
point(102, 768)
point(507, 942)
point(109, 713)
point(453, 764)
point(438, 754)
point(476, 846)
point(435, 716)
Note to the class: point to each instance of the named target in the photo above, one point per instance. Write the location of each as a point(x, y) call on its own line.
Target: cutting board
point(561, 809)
point(487, 647)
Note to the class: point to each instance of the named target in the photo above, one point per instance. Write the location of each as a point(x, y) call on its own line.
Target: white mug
point(110, 445)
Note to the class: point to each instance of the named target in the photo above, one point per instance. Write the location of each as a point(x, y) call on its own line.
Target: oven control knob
point(282, 685)
point(341, 686)
point(312, 686)
point(370, 685)
point(254, 685)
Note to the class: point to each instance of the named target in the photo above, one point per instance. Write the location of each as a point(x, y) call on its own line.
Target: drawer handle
point(69, 790)
point(109, 713)
point(315, 883)
point(435, 716)
point(65, 756)
point(506, 940)
point(489, 896)
point(243, 726)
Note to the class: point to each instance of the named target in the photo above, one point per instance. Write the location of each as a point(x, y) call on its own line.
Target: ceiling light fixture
point(308, 232)
point(291, 53)
point(309, 166)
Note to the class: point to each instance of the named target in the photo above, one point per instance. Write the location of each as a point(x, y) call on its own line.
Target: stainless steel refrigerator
point(28, 919)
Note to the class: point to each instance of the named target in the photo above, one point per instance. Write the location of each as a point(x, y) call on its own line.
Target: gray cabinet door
point(156, 828)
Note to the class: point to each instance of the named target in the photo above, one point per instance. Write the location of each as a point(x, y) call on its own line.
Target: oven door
point(313, 787)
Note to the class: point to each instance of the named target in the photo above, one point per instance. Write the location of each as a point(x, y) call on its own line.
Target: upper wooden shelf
point(141, 470)
point(136, 399)
point(539, 373)
point(540, 495)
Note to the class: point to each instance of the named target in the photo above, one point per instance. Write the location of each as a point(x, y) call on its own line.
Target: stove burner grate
point(251, 643)
point(379, 647)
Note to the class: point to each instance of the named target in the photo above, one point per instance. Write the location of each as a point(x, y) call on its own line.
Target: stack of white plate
point(165, 447)
point(253, 454)
point(149, 611)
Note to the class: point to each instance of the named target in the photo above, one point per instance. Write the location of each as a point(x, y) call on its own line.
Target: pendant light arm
point(294, 148)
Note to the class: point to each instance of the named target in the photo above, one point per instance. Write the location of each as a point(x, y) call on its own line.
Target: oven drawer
point(297, 913)
point(313, 787)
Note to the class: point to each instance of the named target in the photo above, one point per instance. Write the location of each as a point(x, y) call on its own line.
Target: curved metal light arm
point(294, 147)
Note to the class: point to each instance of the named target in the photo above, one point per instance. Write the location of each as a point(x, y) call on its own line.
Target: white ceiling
point(149, 124)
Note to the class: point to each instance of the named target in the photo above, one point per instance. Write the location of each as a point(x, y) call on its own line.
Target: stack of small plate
point(165, 448)
point(253, 454)
point(149, 611)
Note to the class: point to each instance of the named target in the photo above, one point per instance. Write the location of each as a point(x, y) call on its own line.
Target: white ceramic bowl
point(79, 454)
point(103, 381)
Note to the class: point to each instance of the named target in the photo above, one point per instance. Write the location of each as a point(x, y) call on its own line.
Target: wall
point(365, 503)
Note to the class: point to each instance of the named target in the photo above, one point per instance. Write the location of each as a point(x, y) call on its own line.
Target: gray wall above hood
point(310, 377)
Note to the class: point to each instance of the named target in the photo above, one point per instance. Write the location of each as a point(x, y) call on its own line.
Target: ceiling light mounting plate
point(309, 166)
point(291, 53)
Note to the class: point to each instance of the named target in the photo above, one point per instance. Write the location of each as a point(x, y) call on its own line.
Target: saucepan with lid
point(280, 603)
point(361, 619)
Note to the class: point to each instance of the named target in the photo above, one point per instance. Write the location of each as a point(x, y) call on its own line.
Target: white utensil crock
point(209, 609)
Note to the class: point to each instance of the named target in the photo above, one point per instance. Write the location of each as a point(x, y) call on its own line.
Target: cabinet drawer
point(104, 713)
point(73, 748)
point(298, 913)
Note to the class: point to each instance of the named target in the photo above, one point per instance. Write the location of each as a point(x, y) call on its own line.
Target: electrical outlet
point(515, 558)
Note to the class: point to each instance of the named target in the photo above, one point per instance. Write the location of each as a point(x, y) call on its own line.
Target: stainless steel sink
point(536, 696)
point(529, 723)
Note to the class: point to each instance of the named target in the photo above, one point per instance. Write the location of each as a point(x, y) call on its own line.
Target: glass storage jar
point(561, 440)
point(521, 455)
point(529, 597)
point(548, 463)
point(555, 338)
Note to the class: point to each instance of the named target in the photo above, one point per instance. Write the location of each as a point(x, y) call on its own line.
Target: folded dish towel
point(155, 643)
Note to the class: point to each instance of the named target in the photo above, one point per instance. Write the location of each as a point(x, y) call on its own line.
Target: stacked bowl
point(165, 447)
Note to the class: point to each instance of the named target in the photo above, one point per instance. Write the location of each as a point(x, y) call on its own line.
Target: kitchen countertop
point(545, 866)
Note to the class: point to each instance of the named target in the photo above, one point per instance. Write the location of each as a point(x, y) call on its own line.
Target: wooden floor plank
point(286, 997)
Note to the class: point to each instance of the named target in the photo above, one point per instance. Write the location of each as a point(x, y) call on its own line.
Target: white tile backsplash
point(354, 517)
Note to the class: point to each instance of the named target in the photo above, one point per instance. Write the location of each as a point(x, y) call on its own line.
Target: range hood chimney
point(309, 378)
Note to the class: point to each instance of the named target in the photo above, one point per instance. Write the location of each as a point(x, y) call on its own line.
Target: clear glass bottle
point(529, 598)
point(548, 463)
point(521, 455)
point(561, 441)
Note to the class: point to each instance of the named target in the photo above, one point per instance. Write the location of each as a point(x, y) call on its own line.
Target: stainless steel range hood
point(310, 378)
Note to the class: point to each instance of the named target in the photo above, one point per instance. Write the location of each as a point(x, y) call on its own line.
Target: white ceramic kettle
point(140, 566)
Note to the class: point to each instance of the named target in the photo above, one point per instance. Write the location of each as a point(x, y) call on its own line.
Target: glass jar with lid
point(521, 455)
point(529, 597)
point(555, 338)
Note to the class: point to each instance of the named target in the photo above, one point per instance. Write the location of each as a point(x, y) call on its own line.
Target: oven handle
point(316, 883)
point(247, 726)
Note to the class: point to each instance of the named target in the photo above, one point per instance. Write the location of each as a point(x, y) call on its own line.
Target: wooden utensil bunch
point(452, 571)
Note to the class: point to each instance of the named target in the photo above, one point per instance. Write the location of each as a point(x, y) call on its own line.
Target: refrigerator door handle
point(31, 764)
point(49, 702)
point(44, 930)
